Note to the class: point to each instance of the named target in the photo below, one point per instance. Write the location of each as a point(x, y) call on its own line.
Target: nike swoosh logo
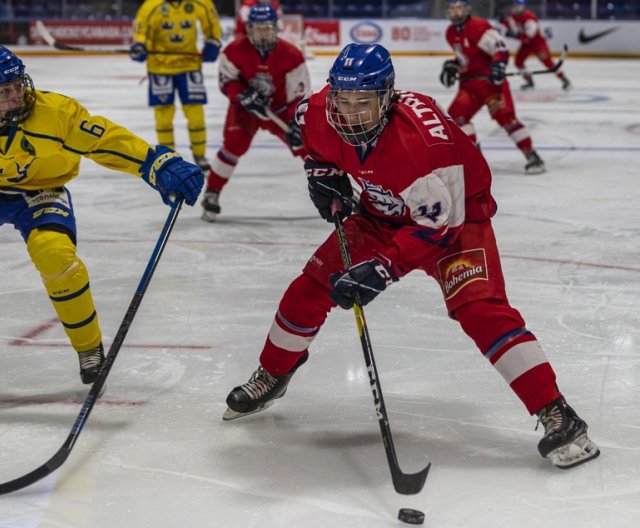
point(585, 39)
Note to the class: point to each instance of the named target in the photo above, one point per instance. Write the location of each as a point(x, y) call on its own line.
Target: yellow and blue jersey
point(172, 26)
point(44, 152)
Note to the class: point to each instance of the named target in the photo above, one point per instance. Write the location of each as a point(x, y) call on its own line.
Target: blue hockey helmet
point(519, 6)
point(361, 92)
point(458, 11)
point(17, 94)
point(262, 27)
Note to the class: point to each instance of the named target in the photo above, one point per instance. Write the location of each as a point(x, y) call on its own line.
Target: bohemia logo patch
point(460, 269)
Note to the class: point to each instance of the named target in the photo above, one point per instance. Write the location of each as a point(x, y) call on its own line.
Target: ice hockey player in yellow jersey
point(165, 34)
point(43, 136)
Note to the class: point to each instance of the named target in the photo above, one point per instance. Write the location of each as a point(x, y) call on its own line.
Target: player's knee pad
point(52, 252)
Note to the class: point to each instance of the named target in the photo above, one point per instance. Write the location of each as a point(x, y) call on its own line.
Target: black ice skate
point(210, 206)
point(528, 83)
point(203, 163)
point(565, 441)
point(534, 165)
point(90, 362)
point(259, 393)
point(566, 84)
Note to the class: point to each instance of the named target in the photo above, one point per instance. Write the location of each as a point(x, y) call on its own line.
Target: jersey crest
point(262, 83)
point(383, 200)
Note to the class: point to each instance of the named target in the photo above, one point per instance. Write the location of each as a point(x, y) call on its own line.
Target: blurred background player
point(43, 136)
point(165, 33)
point(426, 205)
point(257, 72)
point(480, 63)
point(522, 24)
point(242, 15)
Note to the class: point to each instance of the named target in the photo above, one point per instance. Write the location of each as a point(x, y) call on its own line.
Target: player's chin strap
point(404, 483)
point(61, 455)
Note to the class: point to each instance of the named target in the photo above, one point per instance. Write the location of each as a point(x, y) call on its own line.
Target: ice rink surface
point(155, 452)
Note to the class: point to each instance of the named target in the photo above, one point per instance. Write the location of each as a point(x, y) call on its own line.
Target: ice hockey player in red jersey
point(480, 63)
point(258, 73)
point(243, 14)
point(425, 205)
point(522, 24)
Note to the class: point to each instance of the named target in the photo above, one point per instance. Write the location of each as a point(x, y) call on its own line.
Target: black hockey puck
point(409, 516)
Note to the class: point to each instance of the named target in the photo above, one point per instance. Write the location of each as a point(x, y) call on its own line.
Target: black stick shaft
point(61, 455)
point(406, 484)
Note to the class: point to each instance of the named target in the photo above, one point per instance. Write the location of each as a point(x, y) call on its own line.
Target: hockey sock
point(222, 168)
point(197, 131)
point(67, 283)
point(499, 332)
point(302, 311)
point(519, 134)
point(164, 124)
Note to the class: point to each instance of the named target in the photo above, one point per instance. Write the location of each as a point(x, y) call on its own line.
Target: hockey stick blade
point(554, 69)
point(409, 483)
point(61, 455)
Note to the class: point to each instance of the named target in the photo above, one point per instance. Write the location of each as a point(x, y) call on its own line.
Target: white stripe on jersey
point(228, 71)
point(530, 28)
point(291, 342)
point(300, 111)
point(437, 199)
point(491, 42)
point(520, 359)
point(298, 82)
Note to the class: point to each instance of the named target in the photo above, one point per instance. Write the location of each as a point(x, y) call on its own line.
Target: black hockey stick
point(404, 483)
point(51, 41)
point(555, 68)
point(61, 455)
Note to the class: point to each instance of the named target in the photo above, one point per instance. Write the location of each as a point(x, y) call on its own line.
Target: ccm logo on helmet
point(341, 78)
point(12, 69)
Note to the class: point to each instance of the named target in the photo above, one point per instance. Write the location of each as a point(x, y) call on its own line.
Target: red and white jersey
point(524, 26)
point(422, 175)
point(243, 15)
point(477, 44)
point(282, 75)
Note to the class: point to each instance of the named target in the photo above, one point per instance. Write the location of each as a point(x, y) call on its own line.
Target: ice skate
point(566, 84)
point(534, 165)
point(210, 206)
point(565, 441)
point(203, 163)
point(528, 83)
point(259, 393)
point(90, 363)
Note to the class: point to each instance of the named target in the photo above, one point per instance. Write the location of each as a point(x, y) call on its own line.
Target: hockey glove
point(169, 174)
point(497, 72)
point(252, 101)
point(449, 74)
point(327, 183)
point(138, 52)
point(211, 50)
point(366, 279)
point(294, 136)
